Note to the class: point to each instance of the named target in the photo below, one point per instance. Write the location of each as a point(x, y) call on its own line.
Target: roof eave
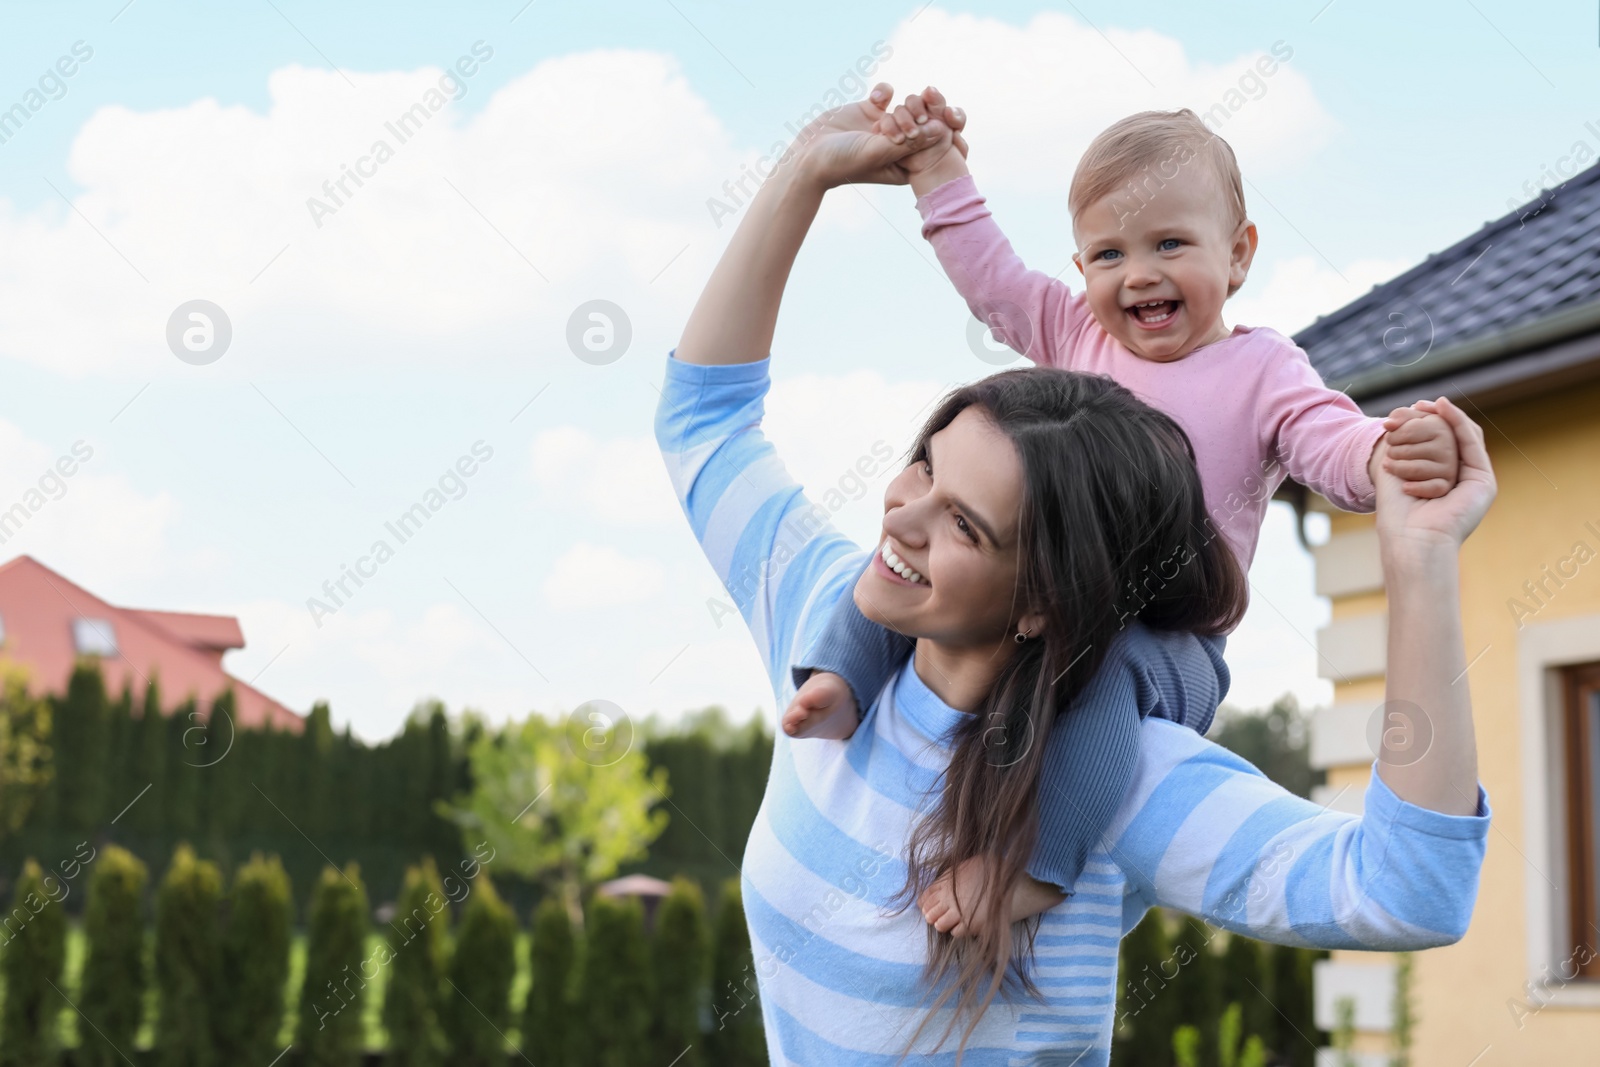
point(1544, 331)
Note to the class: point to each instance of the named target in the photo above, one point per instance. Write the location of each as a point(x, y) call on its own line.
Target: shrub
point(331, 998)
point(255, 962)
point(547, 1030)
point(737, 1037)
point(31, 957)
point(411, 1003)
point(188, 961)
point(682, 960)
point(616, 991)
point(113, 971)
point(478, 1007)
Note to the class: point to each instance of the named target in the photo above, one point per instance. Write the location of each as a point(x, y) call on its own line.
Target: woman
point(1004, 601)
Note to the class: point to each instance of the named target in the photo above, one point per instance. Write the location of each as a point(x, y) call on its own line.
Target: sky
point(405, 340)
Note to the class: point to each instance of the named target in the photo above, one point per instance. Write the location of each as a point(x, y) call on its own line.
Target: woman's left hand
point(1405, 520)
point(842, 146)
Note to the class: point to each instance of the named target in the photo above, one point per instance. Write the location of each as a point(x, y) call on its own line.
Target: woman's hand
point(843, 147)
point(1406, 521)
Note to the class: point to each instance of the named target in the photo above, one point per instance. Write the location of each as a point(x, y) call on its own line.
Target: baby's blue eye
point(1170, 240)
point(1108, 252)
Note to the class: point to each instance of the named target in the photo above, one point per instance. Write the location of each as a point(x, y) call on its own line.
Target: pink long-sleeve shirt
point(1253, 406)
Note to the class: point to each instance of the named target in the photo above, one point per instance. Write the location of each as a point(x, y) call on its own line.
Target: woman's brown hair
point(1113, 527)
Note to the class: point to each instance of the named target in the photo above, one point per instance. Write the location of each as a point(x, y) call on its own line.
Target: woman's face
point(952, 518)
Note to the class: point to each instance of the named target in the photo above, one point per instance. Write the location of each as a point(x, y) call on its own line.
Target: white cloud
point(589, 576)
point(93, 526)
point(195, 201)
point(1036, 94)
point(618, 480)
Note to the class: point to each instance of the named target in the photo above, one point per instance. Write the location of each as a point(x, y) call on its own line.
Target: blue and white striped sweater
point(1200, 829)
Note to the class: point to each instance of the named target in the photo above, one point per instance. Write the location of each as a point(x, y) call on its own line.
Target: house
point(1506, 322)
point(47, 622)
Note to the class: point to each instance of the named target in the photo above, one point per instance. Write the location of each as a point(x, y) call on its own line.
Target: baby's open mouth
point(1154, 312)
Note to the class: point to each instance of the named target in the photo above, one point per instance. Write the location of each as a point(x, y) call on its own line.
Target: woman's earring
point(1020, 637)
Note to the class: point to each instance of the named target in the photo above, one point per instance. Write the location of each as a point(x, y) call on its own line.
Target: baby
point(1158, 215)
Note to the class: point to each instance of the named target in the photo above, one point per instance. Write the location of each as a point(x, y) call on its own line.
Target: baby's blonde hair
point(1121, 158)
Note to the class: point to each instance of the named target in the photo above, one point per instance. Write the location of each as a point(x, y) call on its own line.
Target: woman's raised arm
point(1428, 753)
point(734, 319)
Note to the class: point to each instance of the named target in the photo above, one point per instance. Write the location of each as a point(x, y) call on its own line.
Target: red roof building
point(48, 622)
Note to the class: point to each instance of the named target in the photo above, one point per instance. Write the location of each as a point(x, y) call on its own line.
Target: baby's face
point(1170, 245)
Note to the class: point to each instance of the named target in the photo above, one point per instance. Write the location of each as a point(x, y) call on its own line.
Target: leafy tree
point(255, 962)
point(333, 993)
point(616, 993)
point(188, 961)
point(737, 1038)
point(31, 957)
point(114, 970)
point(478, 1010)
point(25, 765)
point(552, 809)
point(681, 954)
point(547, 1030)
point(1277, 741)
point(411, 1000)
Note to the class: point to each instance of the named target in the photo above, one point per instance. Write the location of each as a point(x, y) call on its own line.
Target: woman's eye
point(962, 525)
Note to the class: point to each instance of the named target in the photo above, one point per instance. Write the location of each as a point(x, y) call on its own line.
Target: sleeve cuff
point(1390, 810)
point(696, 373)
point(952, 193)
point(1366, 494)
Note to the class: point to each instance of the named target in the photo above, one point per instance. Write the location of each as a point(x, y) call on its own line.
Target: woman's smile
point(885, 561)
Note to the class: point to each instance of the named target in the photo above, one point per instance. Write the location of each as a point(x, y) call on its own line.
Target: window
point(1582, 735)
point(94, 637)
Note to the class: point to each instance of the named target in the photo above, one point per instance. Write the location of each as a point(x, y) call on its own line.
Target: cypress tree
point(681, 954)
point(32, 952)
point(183, 778)
point(419, 939)
point(333, 994)
point(113, 972)
point(80, 724)
point(120, 768)
point(547, 1030)
point(616, 991)
point(737, 1036)
point(1147, 1006)
point(187, 961)
point(478, 1009)
point(255, 962)
point(150, 757)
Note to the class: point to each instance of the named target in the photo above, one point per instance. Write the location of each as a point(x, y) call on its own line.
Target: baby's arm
point(1323, 440)
point(852, 647)
point(1028, 310)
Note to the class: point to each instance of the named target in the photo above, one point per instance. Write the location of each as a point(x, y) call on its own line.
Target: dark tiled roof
point(1540, 259)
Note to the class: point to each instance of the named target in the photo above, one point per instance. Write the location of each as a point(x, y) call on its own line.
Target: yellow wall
point(1546, 456)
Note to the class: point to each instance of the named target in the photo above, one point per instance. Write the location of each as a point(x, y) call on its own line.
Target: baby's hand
point(933, 129)
point(969, 917)
point(1421, 450)
point(824, 707)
